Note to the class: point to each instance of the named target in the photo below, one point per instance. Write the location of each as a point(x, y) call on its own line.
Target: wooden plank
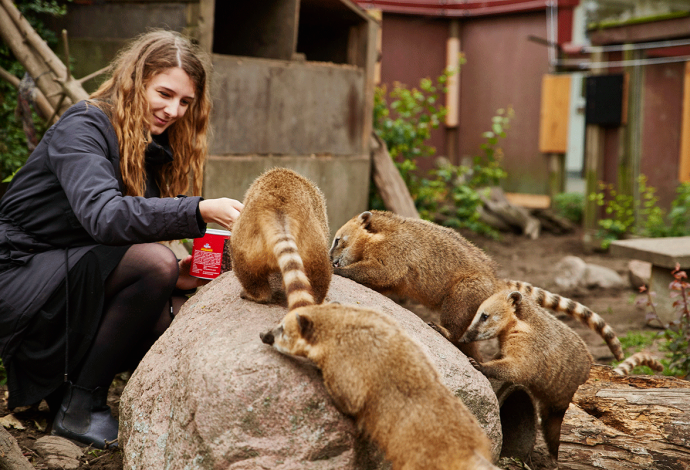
point(555, 105)
point(529, 201)
point(684, 167)
point(205, 23)
point(396, 197)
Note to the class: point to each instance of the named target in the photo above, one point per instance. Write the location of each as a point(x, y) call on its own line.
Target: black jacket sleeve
point(80, 154)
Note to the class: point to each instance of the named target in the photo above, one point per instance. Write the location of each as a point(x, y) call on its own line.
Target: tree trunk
point(627, 422)
point(396, 197)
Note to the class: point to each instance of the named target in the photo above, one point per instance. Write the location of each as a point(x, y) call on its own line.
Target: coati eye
point(484, 317)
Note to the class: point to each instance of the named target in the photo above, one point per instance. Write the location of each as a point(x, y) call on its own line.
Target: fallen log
point(496, 206)
point(11, 457)
point(625, 422)
point(396, 197)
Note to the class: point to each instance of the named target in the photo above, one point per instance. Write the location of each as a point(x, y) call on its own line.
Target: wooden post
point(453, 94)
point(630, 131)
point(553, 128)
point(684, 167)
point(207, 9)
point(594, 169)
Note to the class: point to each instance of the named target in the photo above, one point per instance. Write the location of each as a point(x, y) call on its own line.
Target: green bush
point(449, 194)
point(677, 333)
point(405, 124)
point(569, 206)
point(461, 187)
point(622, 211)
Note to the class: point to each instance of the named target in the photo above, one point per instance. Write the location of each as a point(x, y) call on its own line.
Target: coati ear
point(306, 327)
point(365, 219)
point(515, 298)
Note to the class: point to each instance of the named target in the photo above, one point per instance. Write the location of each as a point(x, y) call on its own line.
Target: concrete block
point(263, 106)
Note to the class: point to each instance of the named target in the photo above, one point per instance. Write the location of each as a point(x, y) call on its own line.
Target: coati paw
point(439, 329)
point(244, 295)
point(475, 364)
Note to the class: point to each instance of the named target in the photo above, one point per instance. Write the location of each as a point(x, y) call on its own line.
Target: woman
point(84, 290)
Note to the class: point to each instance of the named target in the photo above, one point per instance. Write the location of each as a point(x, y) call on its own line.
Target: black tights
point(136, 312)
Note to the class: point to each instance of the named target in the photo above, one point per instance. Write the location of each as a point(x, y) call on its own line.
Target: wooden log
point(33, 63)
point(497, 206)
point(627, 422)
point(11, 457)
point(396, 197)
point(551, 222)
point(44, 107)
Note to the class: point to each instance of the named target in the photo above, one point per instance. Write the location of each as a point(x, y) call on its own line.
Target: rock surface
point(572, 272)
point(209, 394)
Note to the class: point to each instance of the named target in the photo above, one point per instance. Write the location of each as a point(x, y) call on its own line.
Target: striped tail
point(638, 359)
point(297, 286)
point(575, 309)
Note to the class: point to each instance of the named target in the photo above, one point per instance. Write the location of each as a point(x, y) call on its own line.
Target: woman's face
point(169, 94)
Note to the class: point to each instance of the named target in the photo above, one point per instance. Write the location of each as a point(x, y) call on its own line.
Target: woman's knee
point(161, 263)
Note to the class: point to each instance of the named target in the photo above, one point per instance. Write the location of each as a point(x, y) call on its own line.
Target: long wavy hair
point(123, 98)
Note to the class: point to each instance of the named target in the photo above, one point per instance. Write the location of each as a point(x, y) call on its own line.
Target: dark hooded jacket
point(66, 199)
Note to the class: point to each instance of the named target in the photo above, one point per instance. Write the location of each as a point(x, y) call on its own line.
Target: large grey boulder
point(210, 395)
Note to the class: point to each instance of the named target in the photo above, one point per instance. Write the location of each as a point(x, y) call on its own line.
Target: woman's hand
point(222, 211)
point(186, 281)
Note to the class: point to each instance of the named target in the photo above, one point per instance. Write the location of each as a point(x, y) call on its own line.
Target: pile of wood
point(496, 210)
point(55, 88)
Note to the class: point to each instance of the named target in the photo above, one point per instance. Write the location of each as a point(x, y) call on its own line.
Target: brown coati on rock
point(537, 351)
point(380, 376)
point(439, 268)
point(282, 228)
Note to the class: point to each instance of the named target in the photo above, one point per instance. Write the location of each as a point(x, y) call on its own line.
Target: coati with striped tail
point(379, 375)
point(439, 268)
point(537, 351)
point(282, 228)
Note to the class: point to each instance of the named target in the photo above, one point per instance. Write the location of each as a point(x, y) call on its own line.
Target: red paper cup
point(207, 254)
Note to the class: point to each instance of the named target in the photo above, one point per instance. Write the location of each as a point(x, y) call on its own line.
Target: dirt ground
point(518, 257)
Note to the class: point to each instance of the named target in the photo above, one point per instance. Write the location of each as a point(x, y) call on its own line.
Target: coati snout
point(267, 337)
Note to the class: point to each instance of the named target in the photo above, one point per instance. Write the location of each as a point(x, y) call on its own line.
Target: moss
point(630, 21)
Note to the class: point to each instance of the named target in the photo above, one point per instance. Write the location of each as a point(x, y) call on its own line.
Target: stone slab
point(662, 252)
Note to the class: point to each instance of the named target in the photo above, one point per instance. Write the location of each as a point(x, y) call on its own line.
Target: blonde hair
point(123, 98)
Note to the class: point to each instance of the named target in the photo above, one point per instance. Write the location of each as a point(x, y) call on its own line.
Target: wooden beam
point(684, 167)
point(396, 197)
point(555, 106)
point(207, 9)
point(594, 169)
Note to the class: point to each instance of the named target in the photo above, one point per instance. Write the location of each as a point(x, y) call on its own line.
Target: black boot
point(84, 417)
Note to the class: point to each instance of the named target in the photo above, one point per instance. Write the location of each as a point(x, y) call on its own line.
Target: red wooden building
point(513, 48)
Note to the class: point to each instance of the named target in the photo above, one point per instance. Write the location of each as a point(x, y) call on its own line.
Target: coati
point(282, 228)
point(439, 268)
point(537, 351)
point(638, 359)
point(376, 373)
